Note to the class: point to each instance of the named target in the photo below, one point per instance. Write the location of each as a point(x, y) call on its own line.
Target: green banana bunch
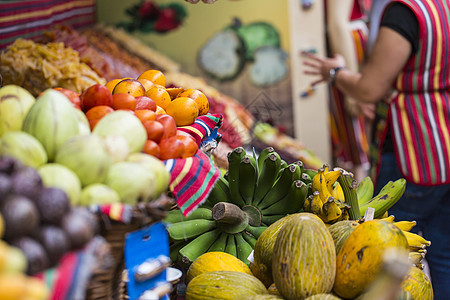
point(268, 172)
point(281, 187)
point(248, 177)
point(386, 198)
point(234, 161)
point(256, 192)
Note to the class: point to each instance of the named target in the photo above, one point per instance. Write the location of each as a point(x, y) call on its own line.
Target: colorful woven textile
point(203, 127)
point(29, 19)
point(191, 180)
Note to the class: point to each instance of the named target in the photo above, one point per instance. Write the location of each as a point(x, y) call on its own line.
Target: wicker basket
point(107, 283)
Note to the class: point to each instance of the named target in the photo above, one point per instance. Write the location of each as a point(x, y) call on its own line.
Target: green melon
point(224, 285)
point(418, 284)
point(341, 230)
point(304, 258)
point(262, 264)
point(266, 297)
point(323, 297)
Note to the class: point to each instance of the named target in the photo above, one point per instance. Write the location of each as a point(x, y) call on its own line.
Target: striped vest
point(420, 115)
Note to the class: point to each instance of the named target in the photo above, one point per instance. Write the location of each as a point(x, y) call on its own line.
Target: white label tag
point(251, 258)
point(370, 212)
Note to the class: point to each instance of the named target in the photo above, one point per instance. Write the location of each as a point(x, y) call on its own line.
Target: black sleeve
point(402, 19)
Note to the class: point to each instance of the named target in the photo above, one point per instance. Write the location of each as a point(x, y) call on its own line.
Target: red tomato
point(170, 127)
point(152, 148)
point(95, 95)
point(155, 130)
point(171, 148)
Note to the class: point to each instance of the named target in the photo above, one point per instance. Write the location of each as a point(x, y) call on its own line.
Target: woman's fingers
point(313, 56)
point(308, 72)
point(310, 64)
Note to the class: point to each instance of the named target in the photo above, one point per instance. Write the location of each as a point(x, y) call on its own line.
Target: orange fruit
point(184, 110)
point(173, 92)
point(112, 84)
point(199, 97)
point(159, 95)
point(145, 115)
point(160, 110)
point(147, 84)
point(123, 101)
point(96, 113)
point(154, 76)
point(129, 86)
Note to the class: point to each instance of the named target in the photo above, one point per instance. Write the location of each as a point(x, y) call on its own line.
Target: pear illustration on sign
point(225, 54)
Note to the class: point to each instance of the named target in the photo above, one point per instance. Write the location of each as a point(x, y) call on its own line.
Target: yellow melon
point(216, 261)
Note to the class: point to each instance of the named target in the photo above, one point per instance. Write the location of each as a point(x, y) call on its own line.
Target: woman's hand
point(320, 66)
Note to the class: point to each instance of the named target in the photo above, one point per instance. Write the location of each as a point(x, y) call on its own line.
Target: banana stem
point(348, 184)
point(228, 213)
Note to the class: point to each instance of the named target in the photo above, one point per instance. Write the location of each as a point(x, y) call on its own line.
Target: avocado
point(55, 242)
point(34, 252)
point(27, 182)
point(78, 228)
point(20, 216)
point(52, 204)
point(9, 165)
point(5, 186)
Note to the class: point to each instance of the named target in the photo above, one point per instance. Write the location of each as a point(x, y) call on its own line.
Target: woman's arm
point(390, 53)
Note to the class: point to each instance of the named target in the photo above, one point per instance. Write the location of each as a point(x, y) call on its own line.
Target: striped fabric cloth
point(29, 19)
point(204, 127)
point(191, 180)
point(348, 133)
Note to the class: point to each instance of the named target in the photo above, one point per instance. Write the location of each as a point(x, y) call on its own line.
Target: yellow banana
point(385, 215)
point(414, 244)
point(316, 204)
point(331, 177)
point(416, 257)
point(345, 215)
point(420, 266)
point(307, 204)
point(320, 185)
point(389, 219)
point(405, 225)
point(338, 193)
point(316, 185)
point(424, 251)
point(331, 210)
point(420, 239)
point(326, 168)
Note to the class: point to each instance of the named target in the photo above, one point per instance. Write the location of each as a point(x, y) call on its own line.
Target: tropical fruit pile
point(313, 233)
point(102, 166)
point(299, 260)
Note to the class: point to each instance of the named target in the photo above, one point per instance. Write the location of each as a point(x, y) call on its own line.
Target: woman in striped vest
point(410, 62)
